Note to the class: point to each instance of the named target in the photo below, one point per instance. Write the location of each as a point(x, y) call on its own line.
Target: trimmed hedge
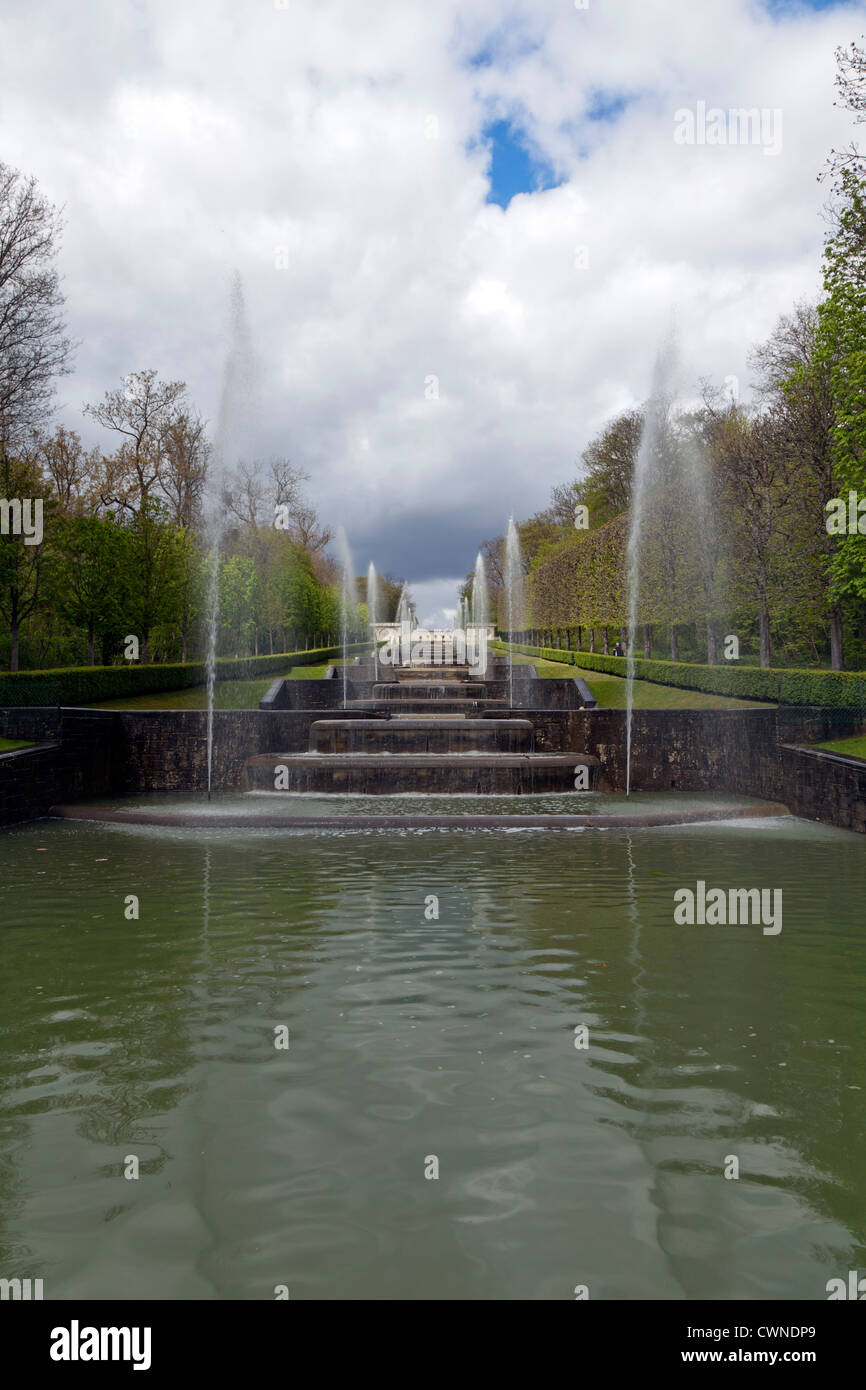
point(837, 689)
point(84, 685)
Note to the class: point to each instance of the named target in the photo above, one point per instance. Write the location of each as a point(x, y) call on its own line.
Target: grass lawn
point(610, 690)
point(227, 694)
point(851, 747)
point(8, 745)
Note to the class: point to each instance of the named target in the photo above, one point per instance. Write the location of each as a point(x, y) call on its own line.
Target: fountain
point(238, 379)
point(480, 602)
point(513, 577)
point(405, 612)
point(373, 612)
point(652, 440)
point(372, 595)
point(347, 601)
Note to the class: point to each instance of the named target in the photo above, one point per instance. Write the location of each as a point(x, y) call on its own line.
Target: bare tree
point(306, 529)
point(186, 451)
point(141, 412)
point(287, 490)
point(493, 552)
point(71, 467)
point(286, 483)
point(245, 494)
point(851, 89)
point(34, 348)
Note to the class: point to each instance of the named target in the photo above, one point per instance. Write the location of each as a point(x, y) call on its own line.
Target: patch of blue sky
point(514, 166)
point(783, 9)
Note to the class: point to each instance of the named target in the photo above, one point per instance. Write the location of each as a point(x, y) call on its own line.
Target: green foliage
point(842, 339)
point(787, 687)
point(88, 586)
point(83, 685)
point(606, 486)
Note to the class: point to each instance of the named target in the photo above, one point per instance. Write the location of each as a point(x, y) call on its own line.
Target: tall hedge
point(84, 685)
point(838, 689)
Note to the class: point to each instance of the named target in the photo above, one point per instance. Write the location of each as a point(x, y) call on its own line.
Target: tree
point(605, 489)
point(155, 571)
point(34, 348)
point(706, 535)
point(753, 479)
point(89, 580)
point(70, 467)
point(390, 589)
point(493, 554)
point(240, 601)
point(538, 534)
point(795, 380)
point(141, 411)
point(286, 490)
point(186, 452)
point(842, 351)
point(669, 519)
point(851, 89)
point(22, 565)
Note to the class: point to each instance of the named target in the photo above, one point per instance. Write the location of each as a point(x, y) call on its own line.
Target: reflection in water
point(414, 1035)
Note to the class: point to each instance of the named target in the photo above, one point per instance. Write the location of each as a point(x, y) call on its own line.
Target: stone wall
point(556, 693)
point(77, 756)
point(751, 752)
point(31, 779)
point(167, 751)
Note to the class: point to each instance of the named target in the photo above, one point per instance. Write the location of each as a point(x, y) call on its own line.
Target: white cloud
point(187, 139)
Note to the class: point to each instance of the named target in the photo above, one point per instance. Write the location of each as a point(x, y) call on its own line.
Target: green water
point(411, 1038)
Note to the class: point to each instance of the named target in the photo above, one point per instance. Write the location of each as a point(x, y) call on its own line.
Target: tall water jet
point(513, 578)
point(373, 613)
point(404, 606)
point(372, 595)
point(347, 602)
point(480, 601)
point(235, 401)
point(656, 417)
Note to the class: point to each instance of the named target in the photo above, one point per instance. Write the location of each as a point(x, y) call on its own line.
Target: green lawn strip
point(227, 694)
point(851, 747)
point(8, 745)
point(610, 691)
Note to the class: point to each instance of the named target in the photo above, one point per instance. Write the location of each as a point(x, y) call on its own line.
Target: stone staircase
point(424, 730)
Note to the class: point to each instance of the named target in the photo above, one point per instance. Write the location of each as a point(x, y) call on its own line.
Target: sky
point(462, 229)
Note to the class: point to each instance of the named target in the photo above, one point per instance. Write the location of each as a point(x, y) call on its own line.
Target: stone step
point(450, 705)
point(437, 674)
point(378, 775)
point(420, 735)
point(428, 690)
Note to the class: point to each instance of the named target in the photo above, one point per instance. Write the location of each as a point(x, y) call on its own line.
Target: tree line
point(121, 550)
